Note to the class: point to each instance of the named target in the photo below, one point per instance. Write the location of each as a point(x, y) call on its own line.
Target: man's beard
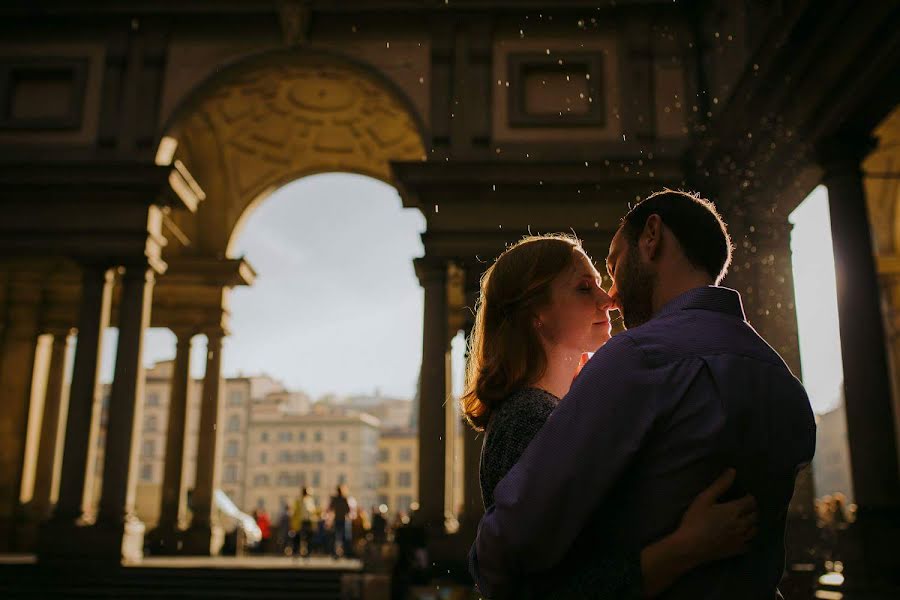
point(636, 290)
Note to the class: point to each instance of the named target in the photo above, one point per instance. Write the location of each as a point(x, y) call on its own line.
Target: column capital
point(431, 269)
point(843, 153)
point(183, 335)
point(60, 334)
point(138, 271)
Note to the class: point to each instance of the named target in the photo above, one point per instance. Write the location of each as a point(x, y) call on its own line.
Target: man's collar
point(711, 297)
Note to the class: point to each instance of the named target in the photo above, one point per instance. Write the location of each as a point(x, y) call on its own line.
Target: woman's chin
point(600, 340)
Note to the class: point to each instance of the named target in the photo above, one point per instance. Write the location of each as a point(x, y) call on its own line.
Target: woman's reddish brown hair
point(505, 350)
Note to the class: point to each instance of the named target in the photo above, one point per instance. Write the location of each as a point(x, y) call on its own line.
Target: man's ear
point(651, 238)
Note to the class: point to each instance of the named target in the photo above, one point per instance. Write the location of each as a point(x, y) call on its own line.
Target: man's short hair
point(693, 220)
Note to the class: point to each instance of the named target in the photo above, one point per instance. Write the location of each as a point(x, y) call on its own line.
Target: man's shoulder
point(688, 334)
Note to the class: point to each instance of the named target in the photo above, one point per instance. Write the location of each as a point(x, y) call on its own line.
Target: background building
point(398, 459)
point(273, 442)
point(321, 448)
point(831, 465)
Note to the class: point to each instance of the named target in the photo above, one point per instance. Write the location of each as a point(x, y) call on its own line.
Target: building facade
point(398, 457)
point(319, 448)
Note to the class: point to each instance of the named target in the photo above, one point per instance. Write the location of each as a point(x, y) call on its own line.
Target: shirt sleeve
point(568, 469)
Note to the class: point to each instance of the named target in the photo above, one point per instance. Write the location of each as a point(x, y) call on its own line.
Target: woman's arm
point(709, 531)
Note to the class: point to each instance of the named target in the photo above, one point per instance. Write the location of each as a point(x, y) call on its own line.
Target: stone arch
point(271, 118)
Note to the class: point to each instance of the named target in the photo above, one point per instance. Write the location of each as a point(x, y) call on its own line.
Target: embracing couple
point(664, 465)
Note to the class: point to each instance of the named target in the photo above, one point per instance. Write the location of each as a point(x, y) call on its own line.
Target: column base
point(164, 540)
point(65, 541)
point(867, 550)
point(202, 540)
point(27, 528)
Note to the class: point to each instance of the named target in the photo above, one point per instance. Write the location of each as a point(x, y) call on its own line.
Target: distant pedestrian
point(339, 507)
point(302, 523)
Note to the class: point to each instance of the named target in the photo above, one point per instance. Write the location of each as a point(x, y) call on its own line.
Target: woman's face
point(577, 317)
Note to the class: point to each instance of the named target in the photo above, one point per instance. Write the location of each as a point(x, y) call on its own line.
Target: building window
point(149, 449)
point(151, 423)
point(146, 472)
point(284, 478)
point(343, 436)
point(316, 478)
point(301, 435)
point(342, 479)
point(284, 456)
point(403, 503)
point(384, 454)
point(234, 423)
point(230, 474)
point(285, 436)
point(384, 478)
point(263, 458)
point(342, 457)
point(404, 479)
point(405, 455)
point(317, 436)
point(152, 399)
point(235, 398)
point(231, 449)
point(261, 480)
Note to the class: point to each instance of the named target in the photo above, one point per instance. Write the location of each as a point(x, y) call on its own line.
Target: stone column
point(55, 406)
point(17, 353)
point(165, 538)
point(867, 389)
point(763, 273)
point(125, 409)
point(432, 394)
point(199, 537)
point(93, 318)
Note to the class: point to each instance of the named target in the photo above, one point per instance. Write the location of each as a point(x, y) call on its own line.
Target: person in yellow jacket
point(302, 522)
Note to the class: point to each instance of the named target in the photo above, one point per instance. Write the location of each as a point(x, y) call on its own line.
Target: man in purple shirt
point(661, 410)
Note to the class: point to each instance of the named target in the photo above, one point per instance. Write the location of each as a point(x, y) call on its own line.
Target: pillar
point(762, 271)
point(17, 353)
point(55, 407)
point(93, 318)
point(165, 538)
point(199, 538)
point(125, 408)
point(867, 391)
point(432, 394)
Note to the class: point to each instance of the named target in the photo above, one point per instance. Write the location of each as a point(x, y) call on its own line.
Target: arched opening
point(293, 150)
point(335, 319)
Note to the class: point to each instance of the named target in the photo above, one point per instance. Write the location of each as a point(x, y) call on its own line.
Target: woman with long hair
point(541, 309)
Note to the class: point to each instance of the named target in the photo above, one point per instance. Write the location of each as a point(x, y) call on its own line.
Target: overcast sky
point(336, 307)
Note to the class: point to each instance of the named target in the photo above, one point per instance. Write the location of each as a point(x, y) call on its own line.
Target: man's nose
point(613, 294)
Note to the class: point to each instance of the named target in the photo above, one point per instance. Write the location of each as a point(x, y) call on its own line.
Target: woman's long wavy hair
point(505, 350)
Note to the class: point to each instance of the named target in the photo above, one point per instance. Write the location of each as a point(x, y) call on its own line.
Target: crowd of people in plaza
point(340, 529)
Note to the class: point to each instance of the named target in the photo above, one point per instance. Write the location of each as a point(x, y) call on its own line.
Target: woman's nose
point(604, 301)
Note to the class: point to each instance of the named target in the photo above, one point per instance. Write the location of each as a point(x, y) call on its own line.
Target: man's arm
point(568, 469)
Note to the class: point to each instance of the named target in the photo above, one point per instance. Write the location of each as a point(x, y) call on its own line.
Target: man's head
point(668, 243)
